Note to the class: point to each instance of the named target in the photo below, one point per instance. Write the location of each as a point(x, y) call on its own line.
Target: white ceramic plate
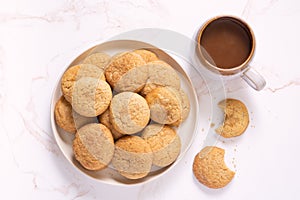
point(186, 130)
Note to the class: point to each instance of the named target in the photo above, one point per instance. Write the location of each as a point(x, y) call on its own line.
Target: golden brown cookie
point(236, 118)
point(147, 55)
point(68, 119)
point(164, 142)
point(165, 106)
point(160, 74)
point(209, 168)
point(105, 119)
point(76, 72)
point(91, 97)
point(185, 107)
point(134, 80)
point(93, 146)
point(133, 157)
point(99, 59)
point(129, 112)
point(121, 64)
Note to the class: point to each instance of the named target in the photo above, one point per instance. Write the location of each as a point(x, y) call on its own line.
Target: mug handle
point(254, 79)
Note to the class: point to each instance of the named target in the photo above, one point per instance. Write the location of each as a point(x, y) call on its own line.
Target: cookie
point(160, 74)
point(209, 168)
point(91, 97)
point(76, 72)
point(133, 157)
point(236, 118)
point(105, 119)
point(165, 106)
point(134, 80)
point(148, 56)
point(93, 146)
point(121, 64)
point(129, 112)
point(99, 59)
point(164, 142)
point(185, 107)
point(67, 119)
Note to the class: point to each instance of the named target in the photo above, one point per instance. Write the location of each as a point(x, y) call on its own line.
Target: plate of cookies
point(124, 112)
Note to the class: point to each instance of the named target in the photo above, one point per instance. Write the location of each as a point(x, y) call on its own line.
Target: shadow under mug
point(243, 69)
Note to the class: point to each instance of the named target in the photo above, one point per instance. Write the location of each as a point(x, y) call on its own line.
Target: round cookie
point(134, 80)
point(165, 106)
point(236, 118)
point(91, 97)
point(209, 168)
point(129, 112)
point(93, 146)
point(164, 142)
point(133, 157)
point(76, 72)
point(121, 64)
point(105, 119)
point(99, 59)
point(67, 119)
point(148, 56)
point(185, 107)
point(160, 74)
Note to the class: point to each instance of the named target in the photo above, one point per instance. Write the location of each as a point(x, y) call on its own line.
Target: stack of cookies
point(124, 111)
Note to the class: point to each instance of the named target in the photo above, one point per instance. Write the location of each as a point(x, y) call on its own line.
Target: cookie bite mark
point(236, 118)
point(210, 169)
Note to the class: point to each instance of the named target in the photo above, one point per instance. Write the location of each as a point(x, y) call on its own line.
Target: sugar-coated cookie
point(148, 56)
point(160, 74)
point(99, 59)
point(209, 168)
point(93, 146)
point(121, 64)
point(133, 157)
point(164, 104)
point(105, 119)
point(129, 112)
point(236, 118)
point(76, 72)
point(67, 119)
point(91, 97)
point(164, 142)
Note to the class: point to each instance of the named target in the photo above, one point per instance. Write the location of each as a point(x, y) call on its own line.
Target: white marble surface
point(39, 38)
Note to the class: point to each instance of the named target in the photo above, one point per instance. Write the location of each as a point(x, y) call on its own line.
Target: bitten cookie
point(99, 59)
point(160, 74)
point(236, 118)
point(93, 146)
point(209, 168)
point(129, 112)
point(165, 106)
point(76, 72)
point(121, 64)
point(164, 142)
point(105, 119)
point(91, 97)
point(68, 119)
point(133, 157)
point(148, 56)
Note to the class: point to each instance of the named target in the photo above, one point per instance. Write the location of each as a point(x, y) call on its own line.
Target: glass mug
point(225, 46)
